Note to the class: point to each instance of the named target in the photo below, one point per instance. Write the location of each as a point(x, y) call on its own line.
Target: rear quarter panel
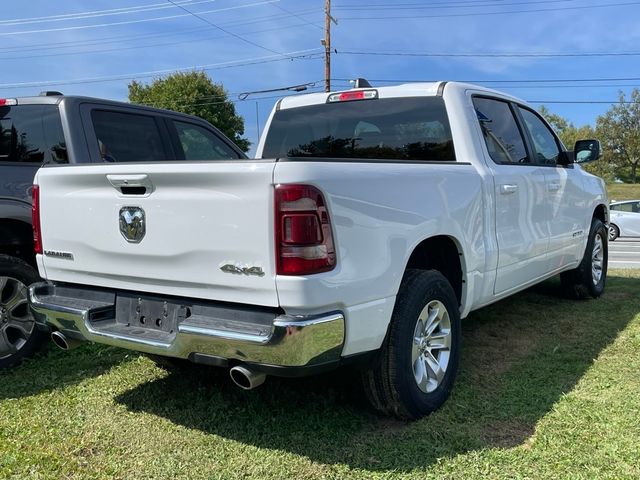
point(379, 213)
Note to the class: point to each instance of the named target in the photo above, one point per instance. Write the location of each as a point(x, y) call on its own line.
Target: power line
point(129, 22)
point(301, 54)
point(95, 13)
point(136, 47)
point(489, 55)
point(298, 16)
point(441, 5)
point(118, 38)
point(477, 14)
point(228, 32)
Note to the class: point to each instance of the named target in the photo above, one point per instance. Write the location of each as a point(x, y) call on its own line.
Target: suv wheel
point(19, 337)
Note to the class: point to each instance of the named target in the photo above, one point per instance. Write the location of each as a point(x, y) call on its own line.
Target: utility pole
point(327, 44)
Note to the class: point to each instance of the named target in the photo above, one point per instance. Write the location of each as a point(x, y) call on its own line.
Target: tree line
point(619, 132)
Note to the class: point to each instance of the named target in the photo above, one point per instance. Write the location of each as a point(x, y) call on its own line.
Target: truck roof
point(417, 89)
point(77, 99)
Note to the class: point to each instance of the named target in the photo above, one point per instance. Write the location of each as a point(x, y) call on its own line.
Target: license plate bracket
point(149, 312)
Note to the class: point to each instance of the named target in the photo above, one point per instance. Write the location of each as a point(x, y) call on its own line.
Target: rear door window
point(199, 143)
point(128, 137)
point(32, 134)
point(502, 136)
point(387, 128)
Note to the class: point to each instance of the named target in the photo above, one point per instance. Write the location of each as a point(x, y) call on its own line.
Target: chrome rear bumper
point(207, 329)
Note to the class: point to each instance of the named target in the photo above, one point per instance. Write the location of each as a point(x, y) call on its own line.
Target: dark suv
point(57, 129)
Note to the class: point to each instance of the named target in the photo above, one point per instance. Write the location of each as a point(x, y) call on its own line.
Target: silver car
point(624, 219)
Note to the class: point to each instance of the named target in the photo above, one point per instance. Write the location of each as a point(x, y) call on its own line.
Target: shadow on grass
point(520, 356)
point(53, 369)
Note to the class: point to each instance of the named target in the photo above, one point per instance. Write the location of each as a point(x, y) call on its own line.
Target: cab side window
point(502, 136)
point(546, 146)
point(198, 143)
point(127, 137)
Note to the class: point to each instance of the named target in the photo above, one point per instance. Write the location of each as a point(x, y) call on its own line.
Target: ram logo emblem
point(132, 224)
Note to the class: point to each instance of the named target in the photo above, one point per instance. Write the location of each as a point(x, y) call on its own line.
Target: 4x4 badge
point(132, 224)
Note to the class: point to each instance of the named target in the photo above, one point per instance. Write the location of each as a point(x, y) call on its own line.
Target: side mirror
point(586, 151)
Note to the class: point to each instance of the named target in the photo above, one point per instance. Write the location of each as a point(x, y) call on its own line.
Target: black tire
point(16, 344)
point(391, 383)
point(582, 282)
point(614, 232)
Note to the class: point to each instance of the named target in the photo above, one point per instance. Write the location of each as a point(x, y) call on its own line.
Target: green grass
point(548, 388)
point(623, 191)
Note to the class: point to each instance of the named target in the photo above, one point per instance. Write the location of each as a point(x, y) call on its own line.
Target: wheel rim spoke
point(6, 346)
point(597, 259)
point(16, 322)
point(432, 321)
point(431, 345)
point(443, 340)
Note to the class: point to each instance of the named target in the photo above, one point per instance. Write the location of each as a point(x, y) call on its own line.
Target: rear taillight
point(35, 219)
point(304, 241)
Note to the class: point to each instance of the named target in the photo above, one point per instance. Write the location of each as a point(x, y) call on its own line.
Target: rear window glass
point(127, 137)
point(414, 128)
point(31, 134)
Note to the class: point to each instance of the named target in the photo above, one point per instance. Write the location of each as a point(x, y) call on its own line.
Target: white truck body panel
point(204, 215)
point(200, 216)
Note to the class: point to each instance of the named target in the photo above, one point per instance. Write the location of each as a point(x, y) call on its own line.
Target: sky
point(574, 56)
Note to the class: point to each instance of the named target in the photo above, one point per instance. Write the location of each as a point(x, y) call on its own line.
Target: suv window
point(31, 134)
point(501, 133)
point(633, 207)
point(388, 128)
point(544, 142)
point(198, 143)
point(127, 137)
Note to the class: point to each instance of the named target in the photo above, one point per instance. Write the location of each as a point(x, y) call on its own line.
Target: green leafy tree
point(619, 129)
point(569, 134)
point(193, 93)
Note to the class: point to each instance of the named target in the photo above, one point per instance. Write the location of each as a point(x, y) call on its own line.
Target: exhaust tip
point(62, 342)
point(246, 378)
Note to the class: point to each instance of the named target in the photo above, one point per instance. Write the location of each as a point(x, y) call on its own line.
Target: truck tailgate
point(208, 228)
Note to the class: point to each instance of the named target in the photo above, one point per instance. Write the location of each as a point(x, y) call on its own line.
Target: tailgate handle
point(138, 184)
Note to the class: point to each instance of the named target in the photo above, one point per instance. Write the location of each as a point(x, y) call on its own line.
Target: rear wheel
point(19, 337)
point(418, 362)
point(614, 232)
point(589, 278)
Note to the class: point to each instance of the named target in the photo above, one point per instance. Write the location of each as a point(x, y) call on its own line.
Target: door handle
point(135, 184)
point(508, 188)
point(553, 187)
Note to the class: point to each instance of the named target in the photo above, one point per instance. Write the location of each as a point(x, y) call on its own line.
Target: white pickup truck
point(370, 223)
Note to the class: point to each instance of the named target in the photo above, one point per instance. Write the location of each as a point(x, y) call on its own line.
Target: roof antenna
point(361, 83)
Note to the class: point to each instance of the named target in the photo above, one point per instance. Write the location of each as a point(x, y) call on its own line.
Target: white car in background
point(624, 219)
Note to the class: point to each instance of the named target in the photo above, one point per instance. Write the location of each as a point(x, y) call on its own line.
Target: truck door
point(522, 230)
point(568, 225)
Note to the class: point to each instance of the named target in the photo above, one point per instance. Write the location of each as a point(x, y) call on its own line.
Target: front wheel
point(417, 365)
point(588, 279)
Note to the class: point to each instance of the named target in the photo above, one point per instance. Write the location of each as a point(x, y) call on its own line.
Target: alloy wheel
point(16, 322)
point(431, 347)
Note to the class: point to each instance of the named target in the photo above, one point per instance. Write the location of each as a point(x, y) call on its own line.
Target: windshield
point(415, 128)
